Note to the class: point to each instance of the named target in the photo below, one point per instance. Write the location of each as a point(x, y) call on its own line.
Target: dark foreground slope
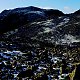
point(43, 43)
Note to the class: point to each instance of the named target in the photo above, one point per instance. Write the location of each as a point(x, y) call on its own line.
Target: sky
point(67, 6)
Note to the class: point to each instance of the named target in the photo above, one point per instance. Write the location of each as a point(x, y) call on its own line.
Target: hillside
point(43, 42)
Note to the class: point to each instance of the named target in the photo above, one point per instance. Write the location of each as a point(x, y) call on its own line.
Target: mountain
point(77, 12)
point(35, 27)
point(11, 19)
point(42, 42)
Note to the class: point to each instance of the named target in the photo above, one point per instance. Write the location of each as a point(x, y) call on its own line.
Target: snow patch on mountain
point(65, 20)
point(37, 12)
point(69, 39)
point(47, 30)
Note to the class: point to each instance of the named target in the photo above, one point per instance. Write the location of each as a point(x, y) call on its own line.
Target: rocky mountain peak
point(77, 12)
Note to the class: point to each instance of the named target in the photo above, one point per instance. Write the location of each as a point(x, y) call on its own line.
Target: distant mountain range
point(38, 26)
